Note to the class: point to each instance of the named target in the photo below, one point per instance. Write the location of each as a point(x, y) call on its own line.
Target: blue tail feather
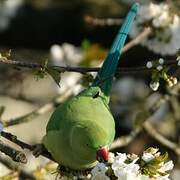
point(106, 73)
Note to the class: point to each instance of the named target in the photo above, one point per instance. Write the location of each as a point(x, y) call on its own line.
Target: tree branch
point(83, 70)
point(22, 144)
point(102, 21)
point(164, 141)
point(21, 173)
point(145, 33)
point(15, 155)
point(124, 140)
point(130, 70)
point(43, 109)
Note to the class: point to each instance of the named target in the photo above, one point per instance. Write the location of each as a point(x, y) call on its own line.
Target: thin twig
point(124, 140)
point(14, 154)
point(129, 70)
point(137, 40)
point(83, 70)
point(102, 21)
point(22, 144)
point(43, 109)
point(148, 127)
point(156, 135)
point(12, 166)
point(31, 65)
point(110, 22)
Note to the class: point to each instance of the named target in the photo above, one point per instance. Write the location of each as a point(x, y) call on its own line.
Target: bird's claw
point(38, 149)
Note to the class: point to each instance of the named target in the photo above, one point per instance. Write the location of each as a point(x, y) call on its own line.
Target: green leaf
point(162, 157)
point(55, 75)
point(40, 74)
point(87, 79)
point(85, 44)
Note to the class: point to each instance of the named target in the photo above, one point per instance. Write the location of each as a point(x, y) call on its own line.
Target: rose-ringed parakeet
point(82, 129)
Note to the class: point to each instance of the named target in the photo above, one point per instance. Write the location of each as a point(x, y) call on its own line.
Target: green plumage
point(78, 128)
point(82, 125)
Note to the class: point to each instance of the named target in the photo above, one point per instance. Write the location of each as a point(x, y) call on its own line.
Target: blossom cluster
point(8, 10)
point(150, 165)
point(165, 25)
point(160, 71)
point(64, 55)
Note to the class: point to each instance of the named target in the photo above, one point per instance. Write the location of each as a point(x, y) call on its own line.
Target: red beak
point(103, 154)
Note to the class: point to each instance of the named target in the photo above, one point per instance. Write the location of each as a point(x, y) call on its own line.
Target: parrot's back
point(82, 119)
point(83, 127)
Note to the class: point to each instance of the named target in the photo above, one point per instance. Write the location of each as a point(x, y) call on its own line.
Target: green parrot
point(81, 130)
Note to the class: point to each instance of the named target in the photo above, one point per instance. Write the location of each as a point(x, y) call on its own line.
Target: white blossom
point(159, 68)
point(72, 53)
point(170, 83)
point(111, 157)
point(149, 64)
point(64, 55)
point(162, 20)
point(119, 160)
point(161, 61)
point(99, 168)
point(154, 85)
point(165, 41)
point(143, 177)
point(8, 10)
point(127, 172)
point(167, 166)
point(147, 156)
point(57, 54)
point(100, 176)
point(178, 63)
point(178, 58)
point(166, 177)
point(98, 172)
point(175, 81)
point(128, 167)
point(123, 170)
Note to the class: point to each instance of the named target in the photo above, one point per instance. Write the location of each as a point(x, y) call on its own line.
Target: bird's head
point(102, 154)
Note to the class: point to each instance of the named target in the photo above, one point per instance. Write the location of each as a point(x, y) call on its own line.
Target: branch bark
point(83, 70)
point(102, 21)
point(14, 154)
point(148, 127)
point(22, 144)
point(43, 109)
point(137, 40)
point(11, 166)
point(130, 70)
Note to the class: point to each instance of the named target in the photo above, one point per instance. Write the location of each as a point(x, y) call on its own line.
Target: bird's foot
point(38, 149)
point(72, 174)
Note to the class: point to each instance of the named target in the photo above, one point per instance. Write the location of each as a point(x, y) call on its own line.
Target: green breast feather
point(78, 128)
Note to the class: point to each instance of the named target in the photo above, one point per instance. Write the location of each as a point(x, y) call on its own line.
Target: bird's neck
point(95, 92)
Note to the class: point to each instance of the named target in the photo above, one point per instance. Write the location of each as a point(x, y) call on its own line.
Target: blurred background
point(79, 33)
